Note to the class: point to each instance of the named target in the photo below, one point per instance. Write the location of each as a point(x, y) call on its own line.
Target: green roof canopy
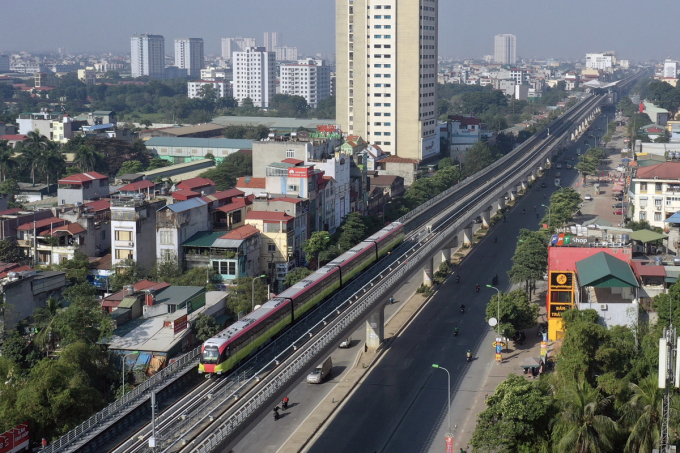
point(604, 271)
point(203, 239)
point(647, 236)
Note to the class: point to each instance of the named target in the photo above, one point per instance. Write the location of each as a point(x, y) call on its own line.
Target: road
point(401, 406)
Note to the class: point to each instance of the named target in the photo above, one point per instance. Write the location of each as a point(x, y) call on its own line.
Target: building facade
point(222, 88)
point(147, 56)
point(309, 78)
point(382, 95)
point(286, 53)
point(271, 40)
point(177, 222)
point(189, 55)
point(599, 61)
point(231, 45)
point(655, 193)
point(505, 49)
point(254, 76)
point(133, 228)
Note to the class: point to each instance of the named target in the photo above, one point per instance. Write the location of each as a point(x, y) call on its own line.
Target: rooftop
point(665, 170)
point(82, 177)
point(195, 183)
point(603, 270)
point(144, 184)
point(252, 182)
point(187, 130)
point(187, 142)
point(271, 122)
point(185, 205)
point(42, 223)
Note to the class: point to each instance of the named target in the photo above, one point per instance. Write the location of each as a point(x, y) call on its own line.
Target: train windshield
point(210, 354)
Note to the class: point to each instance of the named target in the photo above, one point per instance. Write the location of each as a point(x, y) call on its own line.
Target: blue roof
point(187, 142)
point(185, 205)
point(97, 127)
point(675, 218)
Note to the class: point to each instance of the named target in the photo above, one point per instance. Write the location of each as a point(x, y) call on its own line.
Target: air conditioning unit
point(658, 208)
point(603, 306)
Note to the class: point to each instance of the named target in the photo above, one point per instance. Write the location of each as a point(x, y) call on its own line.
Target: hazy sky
point(634, 29)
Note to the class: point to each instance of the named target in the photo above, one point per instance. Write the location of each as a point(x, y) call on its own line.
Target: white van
point(558, 182)
point(320, 372)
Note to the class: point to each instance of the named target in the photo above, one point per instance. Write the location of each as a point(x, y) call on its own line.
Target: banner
point(449, 444)
point(180, 323)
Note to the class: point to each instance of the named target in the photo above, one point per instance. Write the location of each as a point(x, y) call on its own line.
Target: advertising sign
point(299, 172)
point(561, 280)
point(20, 436)
point(556, 310)
point(180, 323)
point(327, 128)
point(449, 444)
point(499, 357)
point(6, 442)
point(544, 349)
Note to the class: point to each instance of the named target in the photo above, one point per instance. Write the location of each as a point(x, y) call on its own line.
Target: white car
point(559, 166)
point(588, 197)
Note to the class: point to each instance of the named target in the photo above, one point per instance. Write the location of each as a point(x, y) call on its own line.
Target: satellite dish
point(493, 322)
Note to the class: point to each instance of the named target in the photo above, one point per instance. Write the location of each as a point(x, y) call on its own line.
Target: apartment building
point(286, 53)
point(602, 61)
point(4, 63)
point(221, 87)
point(308, 78)
point(133, 226)
point(40, 121)
point(231, 45)
point(655, 193)
point(271, 40)
point(254, 76)
point(505, 49)
point(189, 55)
point(147, 55)
point(82, 187)
point(387, 76)
point(176, 223)
point(277, 231)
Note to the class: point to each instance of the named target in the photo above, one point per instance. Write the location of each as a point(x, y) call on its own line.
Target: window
point(377, 36)
point(388, 65)
point(122, 254)
point(643, 186)
point(388, 16)
point(377, 65)
point(657, 202)
point(123, 235)
point(387, 123)
point(377, 85)
point(293, 188)
point(290, 153)
point(657, 187)
point(657, 216)
point(387, 104)
point(387, 26)
point(167, 255)
point(377, 16)
point(377, 104)
point(166, 237)
point(387, 36)
point(272, 227)
point(643, 215)
point(271, 247)
point(103, 234)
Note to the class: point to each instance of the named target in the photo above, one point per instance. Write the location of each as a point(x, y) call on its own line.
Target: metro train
point(225, 350)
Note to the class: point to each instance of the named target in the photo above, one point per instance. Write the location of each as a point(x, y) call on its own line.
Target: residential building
point(62, 130)
point(658, 115)
point(179, 149)
point(277, 231)
point(147, 56)
point(189, 55)
point(4, 63)
point(82, 187)
point(505, 49)
point(462, 132)
point(202, 186)
point(295, 207)
point(7, 129)
point(177, 222)
point(309, 78)
point(231, 45)
point(133, 230)
point(298, 146)
point(222, 88)
point(41, 122)
point(382, 95)
point(286, 53)
point(392, 186)
point(88, 76)
point(335, 202)
point(173, 72)
point(601, 61)
point(232, 255)
point(44, 79)
point(271, 40)
point(25, 291)
point(252, 186)
point(232, 214)
point(670, 69)
point(13, 139)
point(51, 241)
point(254, 76)
point(213, 73)
point(655, 193)
point(95, 218)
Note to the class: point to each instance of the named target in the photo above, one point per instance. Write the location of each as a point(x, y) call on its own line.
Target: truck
point(320, 372)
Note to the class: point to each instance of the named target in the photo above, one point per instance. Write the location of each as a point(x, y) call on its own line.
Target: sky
point(636, 30)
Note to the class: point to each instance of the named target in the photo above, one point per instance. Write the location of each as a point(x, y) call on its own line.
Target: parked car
point(618, 212)
point(588, 197)
point(568, 167)
point(619, 205)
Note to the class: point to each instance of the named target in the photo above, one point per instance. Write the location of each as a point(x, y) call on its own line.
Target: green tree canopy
point(132, 166)
point(240, 299)
point(248, 132)
point(516, 312)
point(477, 157)
point(296, 275)
point(227, 172)
point(317, 243)
point(205, 327)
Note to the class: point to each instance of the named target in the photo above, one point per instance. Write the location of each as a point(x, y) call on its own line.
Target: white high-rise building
point(271, 40)
point(386, 56)
point(670, 69)
point(231, 45)
point(286, 53)
point(254, 76)
point(600, 61)
point(505, 49)
point(309, 78)
point(189, 55)
point(147, 55)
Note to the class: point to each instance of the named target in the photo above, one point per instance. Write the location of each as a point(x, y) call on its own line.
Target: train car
point(222, 352)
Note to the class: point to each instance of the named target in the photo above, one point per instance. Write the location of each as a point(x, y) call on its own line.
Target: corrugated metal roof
point(203, 239)
point(271, 122)
point(127, 302)
point(605, 271)
point(188, 142)
point(185, 205)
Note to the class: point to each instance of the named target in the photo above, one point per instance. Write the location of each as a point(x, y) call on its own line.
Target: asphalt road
point(401, 406)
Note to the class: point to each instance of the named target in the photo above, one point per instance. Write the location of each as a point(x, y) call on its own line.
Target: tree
point(76, 269)
point(83, 319)
point(637, 225)
point(240, 299)
point(117, 151)
point(157, 162)
point(88, 159)
point(132, 166)
point(581, 426)
point(516, 312)
point(7, 162)
point(226, 173)
point(296, 275)
point(44, 316)
point(31, 156)
point(352, 231)
point(15, 348)
point(210, 156)
point(445, 163)
point(582, 339)
point(10, 251)
point(127, 272)
point(205, 327)
point(317, 242)
point(477, 157)
point(587, 166)
point(517, 417)
point(325, 108)
point(289, 106)
point(530, 260)
point(146, 123)
point(52, 162)
point(10, 187)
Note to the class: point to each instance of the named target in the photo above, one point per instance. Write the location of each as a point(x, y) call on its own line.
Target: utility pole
point(669, 376)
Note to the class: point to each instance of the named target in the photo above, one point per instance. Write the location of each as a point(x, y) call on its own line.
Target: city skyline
point(535, 29)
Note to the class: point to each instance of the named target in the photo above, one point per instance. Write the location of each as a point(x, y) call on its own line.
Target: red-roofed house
point(276, 253)
point(250, 185)
point(13, 139)
point(656, 194)
point(144, 186)
point(82, 187)
point(203, 186)
point(184, 195)
point(138, 289)
point(231, 215)
point(57, 240)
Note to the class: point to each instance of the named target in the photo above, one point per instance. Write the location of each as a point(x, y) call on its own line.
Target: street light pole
point(252, 293)
point(448, 402)
point(498, 319)
point(548, 215)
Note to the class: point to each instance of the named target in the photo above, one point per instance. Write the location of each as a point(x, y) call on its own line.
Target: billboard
point(16, 439)
point(560, 293)
point(180, 323)
point(300, 172)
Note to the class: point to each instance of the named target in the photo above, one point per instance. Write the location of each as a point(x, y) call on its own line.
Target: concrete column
point(524, 185)
point(486, 217)
point(501, 203)
point(446, 254)
point(428, 272)
point(375, 329)
point(467, 235)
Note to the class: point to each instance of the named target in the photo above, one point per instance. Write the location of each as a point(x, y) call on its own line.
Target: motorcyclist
point(468, 355)
point(391, 300)
point(457, 278)
point(276, 412)
point(477, 287)
point(455, 330)
point(495, 238)
point(462, 307)
point(284, 403)
point(524, 211)
point(504, 219)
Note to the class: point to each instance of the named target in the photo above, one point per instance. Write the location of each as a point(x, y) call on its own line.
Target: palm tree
point(31, 156)
point(7, 161)
point(44, 317)
point(36, 138)
point(643, 413)
point(582, 429)
point(88, 158)
point(51, 161)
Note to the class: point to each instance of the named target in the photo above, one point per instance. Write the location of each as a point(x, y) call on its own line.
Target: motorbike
point(462, 310)
point(469, 357)
point(494, 280)
point(284, 404)
point(537, 215)
point(276, 413)
point(477, 288)
point(457, 278)
point(495, 238)
point(455, 332)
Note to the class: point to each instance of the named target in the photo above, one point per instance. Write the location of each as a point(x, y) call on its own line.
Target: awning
point(617, 189)
point(203, 239)
point(599, 221)
point(602, 270)
point(645, 236)
point(675, 218)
